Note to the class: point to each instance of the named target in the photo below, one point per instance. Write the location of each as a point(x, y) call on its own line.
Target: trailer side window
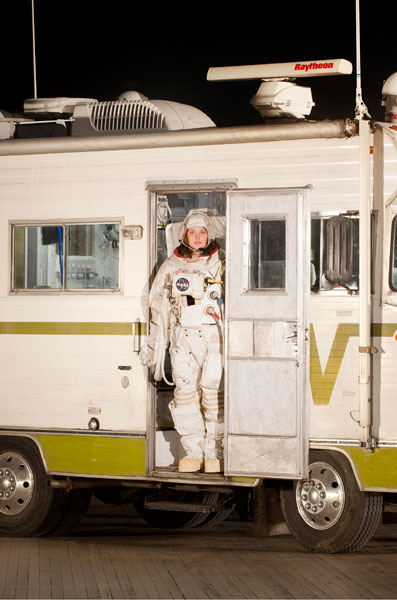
point(335, 254)
point(393, 257)
point(66, 256)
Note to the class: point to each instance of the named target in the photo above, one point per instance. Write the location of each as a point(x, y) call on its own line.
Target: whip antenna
point(34, 53)
point(361, 109)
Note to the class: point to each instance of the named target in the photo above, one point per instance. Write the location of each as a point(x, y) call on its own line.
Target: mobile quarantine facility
point(91, 198)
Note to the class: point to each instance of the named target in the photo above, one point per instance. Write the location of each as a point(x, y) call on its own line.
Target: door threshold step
point(173, 471)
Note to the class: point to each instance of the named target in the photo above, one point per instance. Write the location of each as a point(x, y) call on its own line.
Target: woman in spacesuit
point(187, 313)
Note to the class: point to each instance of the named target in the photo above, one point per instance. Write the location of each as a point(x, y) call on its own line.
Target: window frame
point(13, 290)
point(323, 217)
point(354, 214)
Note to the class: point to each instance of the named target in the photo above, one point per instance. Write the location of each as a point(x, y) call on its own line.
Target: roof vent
point(122, 115)
point(133, 112)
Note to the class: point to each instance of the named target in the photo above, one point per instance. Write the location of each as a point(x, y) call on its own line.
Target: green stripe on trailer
point(70, 328)
point(377, 469)
point(93, 454)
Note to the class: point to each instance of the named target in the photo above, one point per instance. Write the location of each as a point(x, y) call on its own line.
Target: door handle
point(291, 336)
point(136, 338)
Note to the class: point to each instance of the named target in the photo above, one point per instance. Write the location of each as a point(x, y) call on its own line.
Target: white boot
point(213, 465)
point(189, 424)
point(213, 449)
point(190, 465)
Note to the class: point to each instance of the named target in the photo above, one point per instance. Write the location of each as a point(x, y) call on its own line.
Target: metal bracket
point(367, 350)
point(132, 232)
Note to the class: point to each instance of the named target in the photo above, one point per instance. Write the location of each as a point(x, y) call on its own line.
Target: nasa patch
point(182, 284)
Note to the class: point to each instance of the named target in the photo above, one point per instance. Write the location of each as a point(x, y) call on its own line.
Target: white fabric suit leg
point(185, 407)
point(212, 400)
point(196, 359)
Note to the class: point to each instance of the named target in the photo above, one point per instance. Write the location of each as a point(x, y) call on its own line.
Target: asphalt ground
point(114, 554)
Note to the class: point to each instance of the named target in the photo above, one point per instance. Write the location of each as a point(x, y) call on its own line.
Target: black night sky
point(99, 50)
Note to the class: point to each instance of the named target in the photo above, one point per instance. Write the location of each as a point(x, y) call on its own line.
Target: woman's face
point(197, 237)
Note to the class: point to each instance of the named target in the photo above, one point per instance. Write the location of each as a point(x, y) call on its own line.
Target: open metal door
point(266, 334)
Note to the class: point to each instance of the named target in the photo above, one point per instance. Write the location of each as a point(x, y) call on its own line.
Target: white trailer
point(307, 214)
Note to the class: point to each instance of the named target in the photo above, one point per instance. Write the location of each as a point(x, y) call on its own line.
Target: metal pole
point(358, 58)
point(342, 128)
point(361, 109)
point(34, 53)
point(365, 287)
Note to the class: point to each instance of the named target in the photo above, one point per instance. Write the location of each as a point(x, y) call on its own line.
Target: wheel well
point(30, 439)
point(339, 450)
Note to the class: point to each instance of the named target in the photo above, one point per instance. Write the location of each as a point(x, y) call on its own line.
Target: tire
point(28, 505)
point(215, 518)
point(218, 516)
point(328, 513)
point(76, 505)
point(167, 519)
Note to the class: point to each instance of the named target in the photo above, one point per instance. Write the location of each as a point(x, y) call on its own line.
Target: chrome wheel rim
point(321, 498)
point(16, 483)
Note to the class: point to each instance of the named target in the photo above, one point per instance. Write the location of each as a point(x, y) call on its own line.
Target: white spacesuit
point(187, 313)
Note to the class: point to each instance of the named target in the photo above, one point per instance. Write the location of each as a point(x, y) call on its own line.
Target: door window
point(267, 251)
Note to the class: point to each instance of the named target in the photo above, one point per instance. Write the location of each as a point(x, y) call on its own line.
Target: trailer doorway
point(169, 207)
point(266, 299)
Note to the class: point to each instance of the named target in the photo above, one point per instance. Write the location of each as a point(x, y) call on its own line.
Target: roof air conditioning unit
point(133, 112)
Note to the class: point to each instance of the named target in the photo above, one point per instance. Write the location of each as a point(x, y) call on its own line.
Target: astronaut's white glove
point(146, 356)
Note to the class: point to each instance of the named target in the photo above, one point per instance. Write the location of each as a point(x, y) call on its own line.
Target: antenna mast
point(34, 52)
point(361, 109)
